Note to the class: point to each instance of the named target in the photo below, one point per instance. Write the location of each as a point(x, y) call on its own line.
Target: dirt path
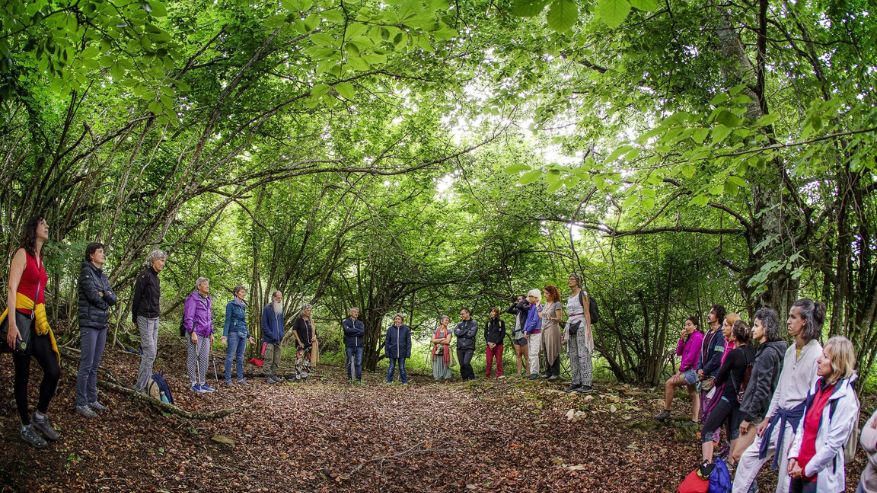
point(324, 435)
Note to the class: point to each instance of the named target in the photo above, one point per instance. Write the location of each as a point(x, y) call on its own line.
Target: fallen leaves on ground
point(324, 435)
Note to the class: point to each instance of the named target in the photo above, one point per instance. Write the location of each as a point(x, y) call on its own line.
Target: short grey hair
point(536, 293)
point(200, 281)
point(155, 255)
point(307, 307)
point(276, 292)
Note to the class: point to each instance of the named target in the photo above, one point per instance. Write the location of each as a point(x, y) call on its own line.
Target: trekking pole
point(215, 375)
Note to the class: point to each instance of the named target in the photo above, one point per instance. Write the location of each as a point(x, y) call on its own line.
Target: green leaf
point(157, 8)
point(530, 177)
point(688, 170)
point(767, 120)
point(727, 118)
point(644, 4)
point(720, 133)
point(346, 90)
point(699, 135)
point(736, 181)
point(527, 8)
point(516, 168)
point(562, 15)
point(719, 99)
point(612, 12)
point(319, 90)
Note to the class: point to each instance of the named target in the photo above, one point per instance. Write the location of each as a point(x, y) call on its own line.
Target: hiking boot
point(573, 388)
point(85, 412)
point(29, 435)
point(98, 407)
point(207, 388)
point(271, 380)
point(662, 416)
point(705, 470)
point(242, 381)
point(42, 425)
point(534, 376)
point(585, 389)
point(553, 378)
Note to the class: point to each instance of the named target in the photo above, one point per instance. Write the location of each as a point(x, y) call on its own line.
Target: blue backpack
point(159, 389)
point(720, 479)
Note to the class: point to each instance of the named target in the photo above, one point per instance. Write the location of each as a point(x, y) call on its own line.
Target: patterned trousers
point(196, 360)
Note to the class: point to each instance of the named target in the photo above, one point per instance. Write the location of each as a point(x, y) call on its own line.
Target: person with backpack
point(831, 410)
point(688, 347)
point(731, 379)
point(235, 334)
point(441, 351)
point(578, 336)
point(520, 307)
point(762, 382)
point(96, 296)
point(465, 331)
point(798, 375)
point(397, 347)
point(145, 310)
point(354, 334)
point(28, 333)
point(533, 331)
point(198, 325)
point(868, 440)
point(494, 336)
point(273, 328)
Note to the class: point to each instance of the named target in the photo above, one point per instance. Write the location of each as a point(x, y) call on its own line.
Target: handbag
point(23, 323)
point(574, 328)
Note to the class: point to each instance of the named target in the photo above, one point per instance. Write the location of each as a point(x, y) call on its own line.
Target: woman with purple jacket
point(198, 322)
point(689, 348)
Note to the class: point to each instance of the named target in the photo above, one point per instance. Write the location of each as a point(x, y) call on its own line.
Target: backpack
point(693, 484)
point(592, 307)
point(158, 389)
point(720, 478)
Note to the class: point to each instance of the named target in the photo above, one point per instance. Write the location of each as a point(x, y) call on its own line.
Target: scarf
point(446, 354)
point(41, 320)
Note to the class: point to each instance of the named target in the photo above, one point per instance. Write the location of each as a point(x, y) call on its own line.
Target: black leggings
point(724, 410)
point(41, 350)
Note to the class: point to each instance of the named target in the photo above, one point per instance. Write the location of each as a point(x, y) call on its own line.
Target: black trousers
point(41, 350)
point(464, 356)
point(799, 485)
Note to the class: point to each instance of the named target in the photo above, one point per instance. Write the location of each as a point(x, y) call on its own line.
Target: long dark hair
point(29, 235)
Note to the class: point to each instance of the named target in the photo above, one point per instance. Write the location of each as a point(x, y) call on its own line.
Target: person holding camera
point(520, 307)
point(441, 351)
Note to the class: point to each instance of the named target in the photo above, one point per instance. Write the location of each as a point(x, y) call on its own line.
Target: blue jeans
point(353, 363)
point(237, 343)
point(403, 375)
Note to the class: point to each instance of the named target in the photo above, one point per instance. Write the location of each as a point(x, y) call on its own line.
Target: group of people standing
point(794, 405)
point(537, 329)
point(28, 333)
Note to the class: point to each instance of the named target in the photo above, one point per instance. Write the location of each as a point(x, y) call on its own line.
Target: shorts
point(690, 377)
point(521, 342)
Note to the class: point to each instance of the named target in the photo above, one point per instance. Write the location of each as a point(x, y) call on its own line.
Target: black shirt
point(305, 331)
point(732, 370)
point(147, 292)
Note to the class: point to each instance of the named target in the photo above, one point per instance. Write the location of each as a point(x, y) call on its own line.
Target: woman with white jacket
point(816, 458)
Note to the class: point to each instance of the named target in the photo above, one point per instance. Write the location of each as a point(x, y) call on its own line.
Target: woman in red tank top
point(27, 286)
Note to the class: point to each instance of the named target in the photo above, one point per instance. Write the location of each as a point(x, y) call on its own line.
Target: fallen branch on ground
point(163, 406)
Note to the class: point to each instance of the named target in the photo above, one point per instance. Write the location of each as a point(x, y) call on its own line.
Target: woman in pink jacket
point(688, 347)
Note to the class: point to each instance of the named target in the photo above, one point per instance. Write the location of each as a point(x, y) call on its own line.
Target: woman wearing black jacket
point(762, 382)
point(728, 408)
point(96, 296)
point(494, 335)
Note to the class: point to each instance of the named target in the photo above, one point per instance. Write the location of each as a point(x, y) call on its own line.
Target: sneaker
point(29, 435)
point(534, 376)
point(705, 470)
point(197, 388)
point(98, 407)
point(242, 381)
point(573, 388)
point(43, 426)
point(585, 389)
point(662, 416)
point(553, 377)
point(228, 383)
point(85, 412)
point(500, 377)
point(271, 380)
point(207, 388)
